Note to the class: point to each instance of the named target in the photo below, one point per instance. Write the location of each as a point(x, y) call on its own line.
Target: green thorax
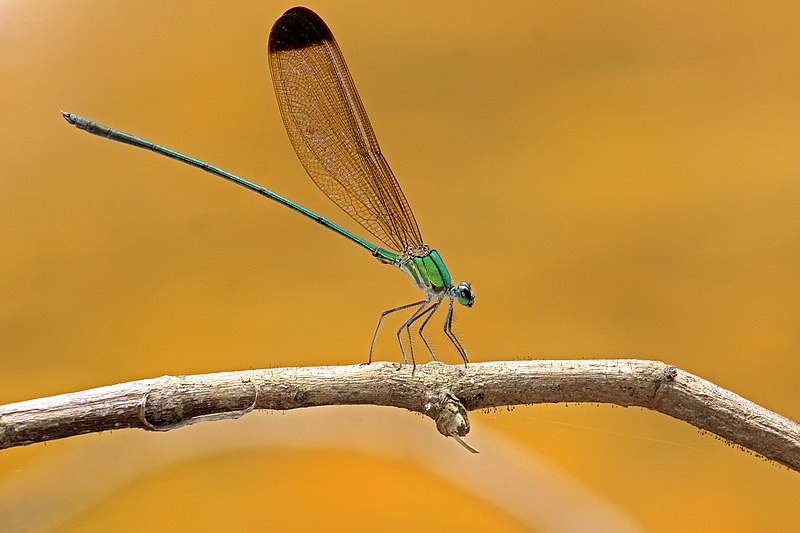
point(426, 268)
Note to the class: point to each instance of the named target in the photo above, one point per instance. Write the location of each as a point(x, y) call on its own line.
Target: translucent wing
point(330, 131)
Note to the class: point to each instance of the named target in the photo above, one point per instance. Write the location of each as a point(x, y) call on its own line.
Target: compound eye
point(464, 294)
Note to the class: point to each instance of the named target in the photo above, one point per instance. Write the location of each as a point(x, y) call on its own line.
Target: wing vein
point(330, 131)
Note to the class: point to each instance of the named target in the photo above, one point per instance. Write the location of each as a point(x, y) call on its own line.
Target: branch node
point(452, 419)
point(668, 375)
point(230, 415)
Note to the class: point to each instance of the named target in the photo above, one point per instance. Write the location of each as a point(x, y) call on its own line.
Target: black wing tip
point(300, 11)
point(298, 28)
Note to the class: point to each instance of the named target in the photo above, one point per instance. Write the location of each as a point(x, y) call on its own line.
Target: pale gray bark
point(443, 392)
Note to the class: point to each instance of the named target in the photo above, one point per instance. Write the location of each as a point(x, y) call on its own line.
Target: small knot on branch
point(452, 419)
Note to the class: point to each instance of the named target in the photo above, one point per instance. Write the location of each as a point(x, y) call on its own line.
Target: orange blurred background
point(615, 179)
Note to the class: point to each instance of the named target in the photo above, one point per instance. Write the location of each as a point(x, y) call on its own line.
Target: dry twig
point(443, 392)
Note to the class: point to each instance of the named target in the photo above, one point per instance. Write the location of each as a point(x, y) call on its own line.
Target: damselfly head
point(464, 294)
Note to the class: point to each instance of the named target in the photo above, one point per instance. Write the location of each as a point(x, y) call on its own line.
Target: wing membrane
point(330, 131)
